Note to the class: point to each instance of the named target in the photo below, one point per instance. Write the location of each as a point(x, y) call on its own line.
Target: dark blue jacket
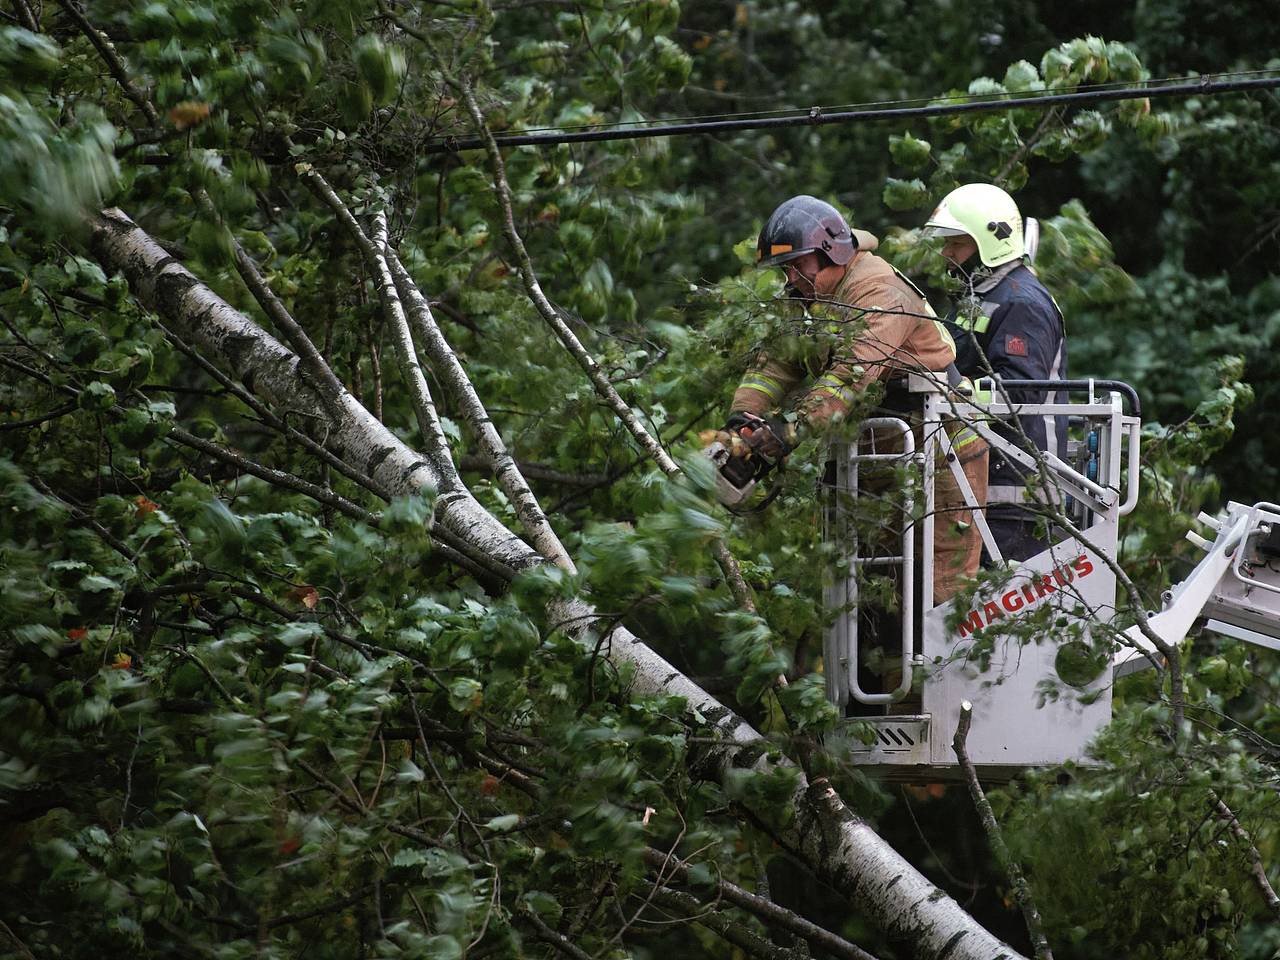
point(1021, 331)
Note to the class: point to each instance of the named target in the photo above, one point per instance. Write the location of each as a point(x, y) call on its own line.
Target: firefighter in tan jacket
point(884, 329)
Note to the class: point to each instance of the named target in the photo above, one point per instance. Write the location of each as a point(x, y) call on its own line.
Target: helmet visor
point(779, 253)
point(932, 230)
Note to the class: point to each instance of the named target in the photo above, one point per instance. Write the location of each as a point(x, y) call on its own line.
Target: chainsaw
point(747, 450)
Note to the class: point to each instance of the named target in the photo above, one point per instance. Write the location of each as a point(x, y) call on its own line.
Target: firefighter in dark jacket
point(1006, 323)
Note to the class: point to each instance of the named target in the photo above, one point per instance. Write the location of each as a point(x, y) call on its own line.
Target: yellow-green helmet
point(987, 214)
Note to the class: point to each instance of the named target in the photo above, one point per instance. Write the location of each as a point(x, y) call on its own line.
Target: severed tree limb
point(718, 922)
point(464, 395)
point(1017, 880)
point(267, 367)
point(271, 372)
point(840, 848)
point(817, 937)
point(107, 51)
point(1257, 868)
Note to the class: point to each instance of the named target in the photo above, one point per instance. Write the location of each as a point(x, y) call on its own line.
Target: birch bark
point(456, 381)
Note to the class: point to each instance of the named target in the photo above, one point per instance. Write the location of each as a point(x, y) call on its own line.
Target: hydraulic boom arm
point(1236, 586)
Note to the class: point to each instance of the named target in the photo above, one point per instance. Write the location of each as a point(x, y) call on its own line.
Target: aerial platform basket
point(1035, 703)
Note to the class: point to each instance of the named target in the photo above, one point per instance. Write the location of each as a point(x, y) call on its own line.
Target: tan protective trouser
point(957, 544)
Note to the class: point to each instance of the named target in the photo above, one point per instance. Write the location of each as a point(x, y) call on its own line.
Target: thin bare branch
point(424, 407)
point(276, 477)
point(312, 361)
point(269, 418)
point(26, 16)
point(1021, 154)
point(437, 447)
point(549, 313)
point(1017, 880)
point(549, 936)
point(23, 950)
point(606, 390)
point(107, 51)
point(54, 414)
point(1054, 512)
point(717, 921)
point(818, 937)
point(1257, 869)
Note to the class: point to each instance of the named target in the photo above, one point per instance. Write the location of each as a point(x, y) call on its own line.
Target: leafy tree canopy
point(252, 708)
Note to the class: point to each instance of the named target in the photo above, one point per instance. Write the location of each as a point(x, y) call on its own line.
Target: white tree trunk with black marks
point(449, 371)
point(837, 845)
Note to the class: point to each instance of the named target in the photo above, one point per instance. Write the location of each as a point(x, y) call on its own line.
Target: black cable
point(869, 104)
point(815, 117)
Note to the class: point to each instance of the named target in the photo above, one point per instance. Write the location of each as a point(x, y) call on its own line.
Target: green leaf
point(97, 397)
point(905, 194)
point(380, 66)
point(909, 152)
point(504, 823)
point(1022, 77)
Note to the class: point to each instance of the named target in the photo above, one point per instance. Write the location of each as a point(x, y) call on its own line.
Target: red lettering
point(972, 625)
point(1020, 597)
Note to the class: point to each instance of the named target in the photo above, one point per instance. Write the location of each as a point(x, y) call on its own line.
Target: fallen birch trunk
point(837, 845)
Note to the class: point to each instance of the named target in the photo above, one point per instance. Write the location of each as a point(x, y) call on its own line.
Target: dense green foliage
point(235, 721)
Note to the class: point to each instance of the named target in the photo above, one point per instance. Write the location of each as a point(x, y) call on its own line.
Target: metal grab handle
point(1252, 530)
point(1133, 429)
point(1070, 386)
point(906, 552)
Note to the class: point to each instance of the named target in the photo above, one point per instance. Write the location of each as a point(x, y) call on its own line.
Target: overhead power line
point(818, 117)
point(900, 102)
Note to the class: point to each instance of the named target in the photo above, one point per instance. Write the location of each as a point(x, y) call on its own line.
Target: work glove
point(769, 439)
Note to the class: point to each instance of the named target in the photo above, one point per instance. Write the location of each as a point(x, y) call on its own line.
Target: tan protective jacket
point(891, 331)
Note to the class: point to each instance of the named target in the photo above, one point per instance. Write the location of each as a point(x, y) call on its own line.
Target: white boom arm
point(1237, 585)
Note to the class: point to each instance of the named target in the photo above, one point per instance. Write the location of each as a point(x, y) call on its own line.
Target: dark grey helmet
point(803, 225)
